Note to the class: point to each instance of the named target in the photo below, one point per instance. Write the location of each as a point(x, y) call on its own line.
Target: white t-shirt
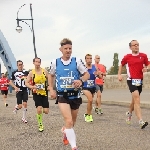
point(80, 65)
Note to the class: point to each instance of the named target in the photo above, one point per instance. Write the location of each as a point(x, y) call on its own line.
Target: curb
point(104, 102)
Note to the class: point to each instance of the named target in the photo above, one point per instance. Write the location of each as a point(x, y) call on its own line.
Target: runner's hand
point(144, 70)
point(34, 88)
point(53, 94)
point(77, 83)
point(98, 74)
point(120, 77)
point(17, 89)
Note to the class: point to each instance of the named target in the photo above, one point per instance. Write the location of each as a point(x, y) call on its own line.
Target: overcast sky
point(100, 27)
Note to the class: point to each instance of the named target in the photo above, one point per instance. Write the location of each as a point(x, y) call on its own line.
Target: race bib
point(40, 86)
point(136, 82)
point(66, 82)
point(90, 83)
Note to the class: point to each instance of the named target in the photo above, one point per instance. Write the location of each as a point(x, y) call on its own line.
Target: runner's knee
point(46, 111)
point(39, 109)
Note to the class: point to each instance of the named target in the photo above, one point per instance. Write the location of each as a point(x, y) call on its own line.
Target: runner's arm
point(120, 70)
point(104, 72)
point(27, 81)
point(123, 62)
point(83, 70)
point(147, 67)
point(46, 73)
point(12, 81)
point(147, 63)
point(7, 83)
point(51, 75)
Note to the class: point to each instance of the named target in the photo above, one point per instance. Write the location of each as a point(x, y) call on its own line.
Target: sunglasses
point(135, 45)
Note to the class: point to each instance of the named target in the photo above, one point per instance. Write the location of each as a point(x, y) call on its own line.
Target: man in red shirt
point(136, 63)
point(4, 82)
point(99, 85)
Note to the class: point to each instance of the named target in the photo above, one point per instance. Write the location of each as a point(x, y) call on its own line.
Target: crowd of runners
point(72, 76)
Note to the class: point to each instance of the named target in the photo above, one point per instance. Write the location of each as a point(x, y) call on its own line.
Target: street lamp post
point(19, 28)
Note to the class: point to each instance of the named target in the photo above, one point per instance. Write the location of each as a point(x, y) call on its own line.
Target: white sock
point(24, 112)
point(141, 121)
point(16, 107)
point(71, 137)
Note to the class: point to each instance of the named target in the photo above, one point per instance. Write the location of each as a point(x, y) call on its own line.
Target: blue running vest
point(90, 83)
point(65, 75)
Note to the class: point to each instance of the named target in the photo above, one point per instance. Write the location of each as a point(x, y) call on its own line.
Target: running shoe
point(24, 120)
point(91, 118)
point(143, 124)
point(88, 118)
point(128, 119)
point(100, 111)
point(41, 128)
point(6, 104)
point(65, 141)
point(96, 110)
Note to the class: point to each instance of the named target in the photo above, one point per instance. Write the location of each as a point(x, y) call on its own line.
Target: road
point(108, 131)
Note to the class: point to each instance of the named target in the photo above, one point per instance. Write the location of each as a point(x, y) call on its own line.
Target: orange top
point(102, 69)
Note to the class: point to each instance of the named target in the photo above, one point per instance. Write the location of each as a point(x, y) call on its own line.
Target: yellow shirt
point(41, 82)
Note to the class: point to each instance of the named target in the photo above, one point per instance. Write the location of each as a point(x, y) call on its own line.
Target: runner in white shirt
point(67, 71)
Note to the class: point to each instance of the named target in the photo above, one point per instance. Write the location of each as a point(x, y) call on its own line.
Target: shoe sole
point(146, 124)
point(41, 130)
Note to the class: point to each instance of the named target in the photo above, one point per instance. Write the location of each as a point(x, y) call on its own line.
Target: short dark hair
point(131, 42)
point(65, 41)
point(19, 61)
point(36, 58)
point(87, 55)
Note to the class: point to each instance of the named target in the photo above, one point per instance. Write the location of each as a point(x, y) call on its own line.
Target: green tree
point(111, 71)
point(116, 63)
point(124, 70)
point(114, 69)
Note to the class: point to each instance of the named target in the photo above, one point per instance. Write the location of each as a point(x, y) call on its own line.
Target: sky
point(102, 27)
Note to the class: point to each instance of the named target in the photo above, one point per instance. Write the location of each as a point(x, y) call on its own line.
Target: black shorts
point(74, 103)
point(99, 87)
point(133, 88)
point(92, 90)
point(41, 100)
point(22, 96)
point(4, 92)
